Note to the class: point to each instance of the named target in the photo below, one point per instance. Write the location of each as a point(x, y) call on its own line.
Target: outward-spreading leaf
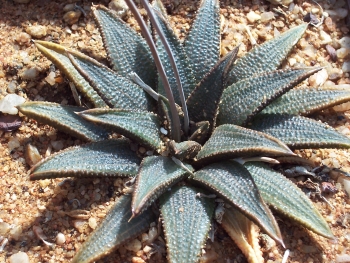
point(266, 57)
point(64, 118)
point(183, 65)
point(202, 44)
point(127, 50)
point(103, 158)
point(306, 101)
point(253, 94)
point(186, 222)
point(204, 100)
point(117, 91)
point(113, 231)
point(286, 198)
point(57, 54)
point(244, 234)
point(300, 132)
point(156, 175)
point(233, 182)
point(143, 127)
point(229, 141)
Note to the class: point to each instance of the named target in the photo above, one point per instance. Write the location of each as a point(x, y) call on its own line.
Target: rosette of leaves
point(208, 123)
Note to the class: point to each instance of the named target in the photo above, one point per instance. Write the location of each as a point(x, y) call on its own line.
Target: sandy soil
point(74, 207)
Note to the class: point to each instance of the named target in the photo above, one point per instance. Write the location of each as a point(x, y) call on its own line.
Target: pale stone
point(19, 257)
point(346, 66)
point(37, 31)
point(60, 239)
point(343, 52)
point(344, 42)
point(252, 17)
point(325, 38)
point(9, 102)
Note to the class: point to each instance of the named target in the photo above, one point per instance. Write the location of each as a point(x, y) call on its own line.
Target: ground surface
point(72, 207)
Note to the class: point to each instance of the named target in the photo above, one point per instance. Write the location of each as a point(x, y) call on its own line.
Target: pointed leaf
point(57, 54)
point(113, 231)
point(183, 65)
point(286, 198)
point(204, 101)
point(127, 50)
point(242, 231)
point(116, 90)
point(143, 127)
point(229, 141)
point(156, 175)
point(266, 57)
point(306, 101)
point(103, 158)
point(64, 118)
point(300, 132)
point(234, 183)
point(244, 99)
point(202, 44)
point(186, 222)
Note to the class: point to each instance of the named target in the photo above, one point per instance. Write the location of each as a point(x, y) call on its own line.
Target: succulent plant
point(207, 124)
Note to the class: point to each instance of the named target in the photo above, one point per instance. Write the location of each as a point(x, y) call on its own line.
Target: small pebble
point(92, 222)
point(311, 18)
point(318, 78)
point(267, 16)
point(4, 228)
point(332, 53)
point(119, 6)
point(329, 24)
point(346, 66)
point(60, 239)
point(343, 52)
point(325, 38)
point(10, 122)
point(31, 155)
point(23, 38)
point(344, 42)
point(335, 74)
point(19, 257)
point(133, 245)
point(51, 78)
point(252, 17)
point(57, 145)
point(30, 73)
point(72, 17)
point(69, 7)
point(9, 102)
point(37, 31)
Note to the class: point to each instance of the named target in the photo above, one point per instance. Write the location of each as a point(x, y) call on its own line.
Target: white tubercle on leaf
point(9, 102)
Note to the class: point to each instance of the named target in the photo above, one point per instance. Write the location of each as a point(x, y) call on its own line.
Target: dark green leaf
point(200, 131)
point(116, 90)
point(64, 118)
point(183, 65)
point(57, 54)
point(113, 231)
point(184, 150)
point(306, 101)
point(300, 132)
point(127, 50)
point(244, 99)
point(186, 221)
point(286, 198)
point(103, 158)
point(143, 127)
point(156, 175)
point(266, 57)
point(229, 141)
point(234, 183)
point(203, 102)
point(202, 44)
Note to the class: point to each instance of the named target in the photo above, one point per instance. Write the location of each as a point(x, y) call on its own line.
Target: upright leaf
point(202, 44)
point(182, 62)
point(156, 175)
point(300, 132)
point(229, 141)
point(64, 118)
point(113, 231)
point(117, 91)
point(245, 98)
point(266, 57)
point(143, 127)
point(186, 222)
point(57, 54)
point(286, 198)
point(204, 101)
point(233, 182)
point(127, 50)
point(103, 158)
point(306, 101)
